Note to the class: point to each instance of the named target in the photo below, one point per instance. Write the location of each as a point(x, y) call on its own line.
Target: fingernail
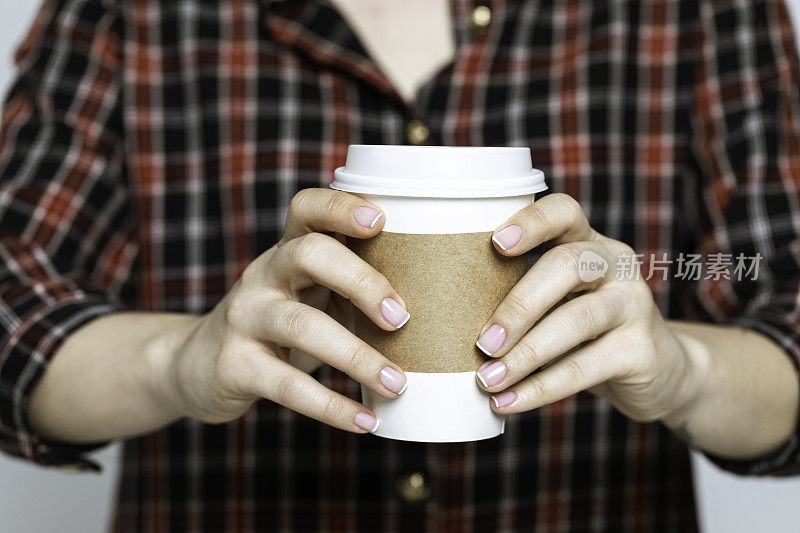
point(508, 237)
point(394, 313)
point(393, 380)
point(504, 399)
point(367, 217)
point(366, 421)
point(492, 339)
point(492, 374)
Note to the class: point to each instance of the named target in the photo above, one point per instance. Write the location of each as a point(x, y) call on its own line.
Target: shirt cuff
point(22, 363)
point(785, 461)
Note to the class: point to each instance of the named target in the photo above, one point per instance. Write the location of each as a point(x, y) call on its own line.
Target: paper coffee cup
point(441, 205)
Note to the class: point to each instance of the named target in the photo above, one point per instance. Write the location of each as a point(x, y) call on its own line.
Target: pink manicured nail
point(367, 216)
point(508, 237)
point(492, 339)
point(393, 380)
point(366, 421)
point(394, 313)
point(504, 398)
point(492, 374)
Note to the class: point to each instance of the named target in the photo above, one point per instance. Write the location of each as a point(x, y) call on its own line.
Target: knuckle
point(568, 205)
point(518, 306)
point(621, 248)
point(528, 354)
point(334, 405)
point(365, 280)
point(250, 274)
point(584, 316)
point(359, 359)
point(537, 217)
point(337, 203)
point(238, 310)
point(639, 295)
point(296, 322)
point(289, 386)
point(573, 371)
point(306, 248)
point(566, 257)
point(537, 388)
point(603, 308)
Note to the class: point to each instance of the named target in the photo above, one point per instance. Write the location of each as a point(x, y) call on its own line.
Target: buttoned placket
point(412, 487)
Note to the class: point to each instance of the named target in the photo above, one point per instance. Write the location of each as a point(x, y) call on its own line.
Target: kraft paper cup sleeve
point(451, 285)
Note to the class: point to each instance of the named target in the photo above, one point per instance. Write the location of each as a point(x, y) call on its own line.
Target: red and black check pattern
point(150, 149)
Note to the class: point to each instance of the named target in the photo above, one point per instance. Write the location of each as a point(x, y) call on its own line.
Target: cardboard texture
point(451, 285)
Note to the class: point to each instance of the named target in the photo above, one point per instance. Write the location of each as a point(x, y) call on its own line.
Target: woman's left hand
point(608, 336)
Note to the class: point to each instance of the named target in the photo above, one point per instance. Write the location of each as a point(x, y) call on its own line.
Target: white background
point(43, 500)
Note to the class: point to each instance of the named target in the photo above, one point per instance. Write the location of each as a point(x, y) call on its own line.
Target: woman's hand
point(238, 352)
point(608, 336)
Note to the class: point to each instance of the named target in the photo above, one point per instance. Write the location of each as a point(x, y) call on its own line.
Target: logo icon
point(591, 266)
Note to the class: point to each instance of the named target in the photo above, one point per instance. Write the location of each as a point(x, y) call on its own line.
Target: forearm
point(110, 379)
point(746, 398)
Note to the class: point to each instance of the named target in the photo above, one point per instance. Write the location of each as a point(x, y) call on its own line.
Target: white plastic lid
point(438, 171)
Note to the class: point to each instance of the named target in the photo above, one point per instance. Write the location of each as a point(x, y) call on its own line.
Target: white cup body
point(446, 215)
point(439, 190)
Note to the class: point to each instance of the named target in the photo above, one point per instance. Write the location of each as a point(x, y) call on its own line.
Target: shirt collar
point(317, 29)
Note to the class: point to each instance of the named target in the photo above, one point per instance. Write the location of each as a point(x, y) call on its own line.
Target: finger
point(577, 321)
point(556, 217)
point(560, 271)
point(280, 382)
point(583, 369)
point(300, 326)
point(327, 210)
point(315, 258)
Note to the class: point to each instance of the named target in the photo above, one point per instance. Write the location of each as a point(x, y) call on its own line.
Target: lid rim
point(530, 183)
point(439, 171)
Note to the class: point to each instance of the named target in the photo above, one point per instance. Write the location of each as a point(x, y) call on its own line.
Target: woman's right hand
point(238, 352)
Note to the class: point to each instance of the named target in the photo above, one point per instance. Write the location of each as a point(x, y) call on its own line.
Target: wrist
point(161, 356)
point(696, 365)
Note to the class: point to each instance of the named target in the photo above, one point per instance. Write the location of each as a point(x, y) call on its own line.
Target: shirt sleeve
point(66, 222)
point(747, 144)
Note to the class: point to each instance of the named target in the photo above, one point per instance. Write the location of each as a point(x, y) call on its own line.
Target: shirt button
point(480, 18)
point(413, 488)
point(417, 132)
